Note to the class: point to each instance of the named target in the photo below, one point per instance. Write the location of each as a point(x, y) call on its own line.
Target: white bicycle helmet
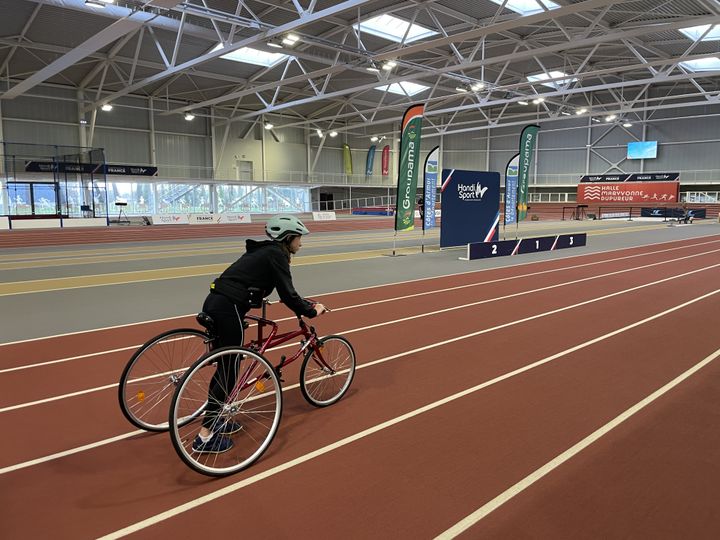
point(279, 227)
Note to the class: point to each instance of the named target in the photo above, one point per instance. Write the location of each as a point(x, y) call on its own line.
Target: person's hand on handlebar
point(321, 309)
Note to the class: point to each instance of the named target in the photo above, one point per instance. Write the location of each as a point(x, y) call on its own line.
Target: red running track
point(469, 387)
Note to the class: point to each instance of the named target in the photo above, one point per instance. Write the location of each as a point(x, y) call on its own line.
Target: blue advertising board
point(470, 207)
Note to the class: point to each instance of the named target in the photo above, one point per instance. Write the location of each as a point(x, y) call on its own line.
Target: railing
point(355, 202)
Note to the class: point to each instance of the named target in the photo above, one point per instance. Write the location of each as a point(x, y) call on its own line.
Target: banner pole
point(394, 237)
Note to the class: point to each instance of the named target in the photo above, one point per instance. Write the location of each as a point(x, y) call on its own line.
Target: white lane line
point(105, 387)
point(190, 505)
point(511, 266)
point(421, 349)
point(70, 452)
point(414, 295)
point(455, 308)
point(551, 465)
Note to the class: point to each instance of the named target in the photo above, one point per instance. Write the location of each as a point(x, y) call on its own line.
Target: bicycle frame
point(261, 344)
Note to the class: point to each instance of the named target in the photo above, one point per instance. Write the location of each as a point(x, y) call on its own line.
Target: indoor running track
point(571, 398)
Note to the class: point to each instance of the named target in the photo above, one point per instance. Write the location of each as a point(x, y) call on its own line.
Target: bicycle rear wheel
point(254, 401)
point(150, 377)
point(327, 371)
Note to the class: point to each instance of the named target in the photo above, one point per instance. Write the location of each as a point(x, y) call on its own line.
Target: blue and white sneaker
point(217, 444)
point(229, 427)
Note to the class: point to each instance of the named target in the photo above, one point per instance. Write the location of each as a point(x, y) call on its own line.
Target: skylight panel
point(527, 7)
point(403, 88)
point(695, 32)
point(392, 28)
point(246, 55)
point(552, 75)
point(703, 64)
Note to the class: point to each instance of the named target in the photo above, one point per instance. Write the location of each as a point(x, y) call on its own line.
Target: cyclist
point(264, 266)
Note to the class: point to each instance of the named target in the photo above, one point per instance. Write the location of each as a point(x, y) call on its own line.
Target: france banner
point(470, 207)
point(430, 187)
point(511, 184)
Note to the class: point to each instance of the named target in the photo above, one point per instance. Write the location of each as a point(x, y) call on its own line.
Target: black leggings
point(228, 318)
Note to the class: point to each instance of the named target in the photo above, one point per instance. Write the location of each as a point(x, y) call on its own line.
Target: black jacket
point(264, 266)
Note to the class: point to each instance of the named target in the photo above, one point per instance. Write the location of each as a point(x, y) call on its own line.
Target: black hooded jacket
point(264, 266)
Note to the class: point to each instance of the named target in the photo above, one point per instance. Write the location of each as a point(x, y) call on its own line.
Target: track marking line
point(454, 308)
point(511, 266)
point(385, 300)
point(190, 505)
point(553, 464)
point(400, 355)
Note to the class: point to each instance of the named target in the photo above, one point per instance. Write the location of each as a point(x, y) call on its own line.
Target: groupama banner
point(527, 146)
point(408, 169)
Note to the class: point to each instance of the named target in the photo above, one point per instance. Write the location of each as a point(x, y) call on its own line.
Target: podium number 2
point(494, 249)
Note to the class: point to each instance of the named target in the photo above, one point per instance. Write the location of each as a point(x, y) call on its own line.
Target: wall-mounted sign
point(636, 177)
point(89, 168)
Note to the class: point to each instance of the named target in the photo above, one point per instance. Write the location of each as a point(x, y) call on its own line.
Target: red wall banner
point(628, 192)
point(386, 160)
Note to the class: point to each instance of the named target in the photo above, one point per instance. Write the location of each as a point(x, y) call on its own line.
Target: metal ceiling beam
point(278, 30)
point(103, 38)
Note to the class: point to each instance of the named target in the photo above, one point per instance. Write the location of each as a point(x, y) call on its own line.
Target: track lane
point(471, 449)
point(301, 431)
point(103, 411)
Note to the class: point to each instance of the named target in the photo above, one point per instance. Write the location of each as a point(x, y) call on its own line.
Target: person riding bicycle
point(264, 266)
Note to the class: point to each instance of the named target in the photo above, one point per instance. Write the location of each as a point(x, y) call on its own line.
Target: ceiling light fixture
point(269, 126)
point(565, 113)
point(582, 110)
point(627, 124)
point(319, 132)
point(290, 40)
point(523, 103)
point(461, 89)
point(275, 45)
point(610, 117)
point(387, 66)
point(538, 101)
point(477, 86)
point(98, 3)
point(189, 117)
point(333, 133)
point(107, 107)
point(374, 138)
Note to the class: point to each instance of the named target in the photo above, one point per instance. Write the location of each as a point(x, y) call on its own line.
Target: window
point(695, 32)
point(703, 64)
point(393, 29)
point(527, 7)
point(539, 77)
point(403, 88)
point(246, 55)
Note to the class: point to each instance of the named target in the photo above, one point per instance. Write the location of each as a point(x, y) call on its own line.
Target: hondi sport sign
point(628, 193)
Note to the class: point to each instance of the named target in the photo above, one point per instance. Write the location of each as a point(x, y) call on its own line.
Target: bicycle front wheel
point(150, 377)
point(242, 411)
point(327, 371)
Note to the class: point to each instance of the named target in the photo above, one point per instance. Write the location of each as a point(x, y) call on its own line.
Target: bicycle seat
point(206, 321)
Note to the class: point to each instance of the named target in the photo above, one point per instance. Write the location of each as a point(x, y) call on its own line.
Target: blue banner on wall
point(370, 161)
point(511, 185)
point(430, 188)
point(470, 207)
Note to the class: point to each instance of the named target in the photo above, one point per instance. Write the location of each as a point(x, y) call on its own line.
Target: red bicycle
point(248, 392)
